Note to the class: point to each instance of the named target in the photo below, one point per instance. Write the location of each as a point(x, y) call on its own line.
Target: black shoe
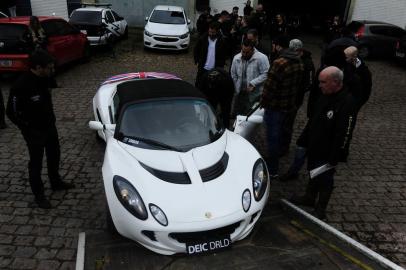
point(62, 186)
point(43, 203)
point(288, 177)
point(302, 200)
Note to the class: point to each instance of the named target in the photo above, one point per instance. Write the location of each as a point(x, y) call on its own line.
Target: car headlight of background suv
point(129, 197)
point(147, 33)
point(184, 35)
point(259, 179)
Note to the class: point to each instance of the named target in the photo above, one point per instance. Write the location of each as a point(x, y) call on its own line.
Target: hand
point(250, 88)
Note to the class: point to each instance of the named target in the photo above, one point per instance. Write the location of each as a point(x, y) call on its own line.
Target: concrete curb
point(80, 256)
point(387, 264)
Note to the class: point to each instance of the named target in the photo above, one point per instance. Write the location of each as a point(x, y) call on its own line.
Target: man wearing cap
point(279, 97)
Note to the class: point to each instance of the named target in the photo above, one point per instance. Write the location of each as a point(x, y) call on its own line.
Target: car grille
point(193, 237)
point(216, 170)
point(171, 177)
point(166, 39)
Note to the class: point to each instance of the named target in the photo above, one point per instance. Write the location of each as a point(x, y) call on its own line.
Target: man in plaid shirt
point(284, 82)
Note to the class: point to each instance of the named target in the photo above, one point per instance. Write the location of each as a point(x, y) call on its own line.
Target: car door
point(59, 40)
point(112, 25)
point(120, 22)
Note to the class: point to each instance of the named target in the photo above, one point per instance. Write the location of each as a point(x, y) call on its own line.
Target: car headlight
point(184, 35)
point(147, 33)
point(158, 214)
point(260, 178)
point(246, 200)
point(129, 197)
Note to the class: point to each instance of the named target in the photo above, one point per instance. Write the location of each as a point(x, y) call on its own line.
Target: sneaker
point(43, 203)
point(288, 177)
point(62, 186)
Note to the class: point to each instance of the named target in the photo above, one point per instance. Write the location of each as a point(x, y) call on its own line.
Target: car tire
point(125, 35)
point(364, 52)
point(109, 222)
point(86, 53)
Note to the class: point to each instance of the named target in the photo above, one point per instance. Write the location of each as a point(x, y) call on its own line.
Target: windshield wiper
point(151, 142)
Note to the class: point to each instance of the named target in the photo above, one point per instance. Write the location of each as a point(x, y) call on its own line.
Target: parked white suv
point(167, 28)
point(100, 23)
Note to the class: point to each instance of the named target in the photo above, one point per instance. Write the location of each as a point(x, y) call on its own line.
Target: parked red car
point(64, 42)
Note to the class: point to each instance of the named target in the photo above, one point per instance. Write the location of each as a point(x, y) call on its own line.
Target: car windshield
point(12, 31)
point(86, 17)
point(169, 124)
point(167, 17)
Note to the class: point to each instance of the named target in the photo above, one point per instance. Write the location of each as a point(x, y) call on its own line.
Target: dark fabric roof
point(147, 89)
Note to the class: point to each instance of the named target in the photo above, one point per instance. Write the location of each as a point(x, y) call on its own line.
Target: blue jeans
point(298, 161)
point(274, 121)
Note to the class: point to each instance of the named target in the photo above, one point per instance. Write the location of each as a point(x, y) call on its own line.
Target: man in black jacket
point(210, 52)
point(327, 137)
point(30, 108)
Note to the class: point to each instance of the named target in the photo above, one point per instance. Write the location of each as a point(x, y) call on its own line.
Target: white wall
point(390, 11)
point(50, 7)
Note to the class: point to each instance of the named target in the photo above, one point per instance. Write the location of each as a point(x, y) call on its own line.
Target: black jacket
point(201, 48)
point(328, 132)
point(30, 103)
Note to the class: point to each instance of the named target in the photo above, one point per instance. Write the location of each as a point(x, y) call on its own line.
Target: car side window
point(397, 32)
point(57, 28)
point(116, 16)
point(109, 17)
point(116, 101)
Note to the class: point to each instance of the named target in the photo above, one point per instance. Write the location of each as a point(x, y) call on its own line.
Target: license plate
point(208, 246)
point(84, 32)
point(6, 63)
point(400, 54)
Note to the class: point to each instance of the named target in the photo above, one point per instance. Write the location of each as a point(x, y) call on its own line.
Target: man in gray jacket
point(249, 72)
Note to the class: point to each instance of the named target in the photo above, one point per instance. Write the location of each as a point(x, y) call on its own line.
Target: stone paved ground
point(369, 202)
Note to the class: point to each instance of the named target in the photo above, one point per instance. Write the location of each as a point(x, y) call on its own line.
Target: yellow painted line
point(332, 246)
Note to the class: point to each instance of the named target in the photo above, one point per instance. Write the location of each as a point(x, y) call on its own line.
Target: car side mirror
point(188, 21)
point(146, 19)
point(96, 125)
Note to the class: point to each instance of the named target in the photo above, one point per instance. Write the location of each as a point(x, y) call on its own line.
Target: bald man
point(362, 71)
point(326, 137)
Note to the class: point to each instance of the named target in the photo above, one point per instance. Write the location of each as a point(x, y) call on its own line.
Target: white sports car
point(176, 181)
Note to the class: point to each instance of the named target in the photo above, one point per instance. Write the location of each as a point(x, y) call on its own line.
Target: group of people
point(338, 90)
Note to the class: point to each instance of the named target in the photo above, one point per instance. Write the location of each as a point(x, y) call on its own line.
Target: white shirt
point(211, 55)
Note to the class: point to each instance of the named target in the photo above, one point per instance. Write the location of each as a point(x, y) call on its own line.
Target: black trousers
point(37, 141)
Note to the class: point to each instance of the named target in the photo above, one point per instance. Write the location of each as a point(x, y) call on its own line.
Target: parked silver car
point(376, 38)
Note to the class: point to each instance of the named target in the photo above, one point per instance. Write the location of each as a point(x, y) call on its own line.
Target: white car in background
point(167, 28)
point(176, 181)
point(100, 23)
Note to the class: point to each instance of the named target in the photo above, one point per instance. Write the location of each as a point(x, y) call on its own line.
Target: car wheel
point(86, 53)
point(125, 36)
point(109, 222)
point(364, 52)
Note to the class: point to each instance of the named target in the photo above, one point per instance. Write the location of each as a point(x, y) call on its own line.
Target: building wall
point(135, 11)
point(390, 11)
point(219, 5)
point(50, 7)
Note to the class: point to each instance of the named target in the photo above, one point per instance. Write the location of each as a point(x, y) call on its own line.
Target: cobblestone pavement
point(369, 202)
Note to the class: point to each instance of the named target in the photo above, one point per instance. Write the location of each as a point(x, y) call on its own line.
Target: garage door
point(391, 11)
point(50, 7)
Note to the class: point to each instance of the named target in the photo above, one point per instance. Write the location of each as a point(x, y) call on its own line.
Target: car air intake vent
point(216, 170)
point(171, 177)
point(195, 237)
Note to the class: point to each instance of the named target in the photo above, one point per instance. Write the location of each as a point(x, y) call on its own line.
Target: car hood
point(219, 197)
point(166, 29)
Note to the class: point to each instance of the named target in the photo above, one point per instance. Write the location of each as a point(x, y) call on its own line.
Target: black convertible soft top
point(147, 89)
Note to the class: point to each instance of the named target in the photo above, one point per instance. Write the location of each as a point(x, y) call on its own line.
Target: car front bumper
point(166, 42)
